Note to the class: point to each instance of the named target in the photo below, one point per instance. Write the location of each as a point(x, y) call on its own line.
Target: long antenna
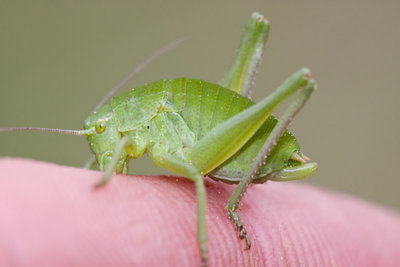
point(60, 131)
point(138, 68)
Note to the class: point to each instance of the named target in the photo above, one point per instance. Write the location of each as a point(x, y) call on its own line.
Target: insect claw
point(248, 242)
point(295, 156)
point(203, 262)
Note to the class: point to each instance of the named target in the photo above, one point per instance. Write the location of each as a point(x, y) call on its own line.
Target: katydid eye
point(100, 126)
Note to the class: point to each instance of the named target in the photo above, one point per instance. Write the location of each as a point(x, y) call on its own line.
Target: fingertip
point(148, 220)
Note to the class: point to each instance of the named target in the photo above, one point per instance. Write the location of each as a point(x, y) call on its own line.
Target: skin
point(50, 216)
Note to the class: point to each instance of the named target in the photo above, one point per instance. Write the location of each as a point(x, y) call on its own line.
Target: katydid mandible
point(196, 129)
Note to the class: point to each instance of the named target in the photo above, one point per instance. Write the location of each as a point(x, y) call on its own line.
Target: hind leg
point(259, 160)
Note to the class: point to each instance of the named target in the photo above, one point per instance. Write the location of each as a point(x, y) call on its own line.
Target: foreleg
point(111, 162)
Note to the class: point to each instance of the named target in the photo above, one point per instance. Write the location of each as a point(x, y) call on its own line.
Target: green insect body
point(174, 115)
point(196, 129)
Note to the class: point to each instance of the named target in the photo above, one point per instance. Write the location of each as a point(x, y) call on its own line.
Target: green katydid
point(197, 129)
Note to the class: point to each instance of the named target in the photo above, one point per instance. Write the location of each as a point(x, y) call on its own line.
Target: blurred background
point(57, 61)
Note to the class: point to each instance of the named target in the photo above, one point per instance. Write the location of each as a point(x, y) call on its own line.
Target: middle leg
point(161, 157)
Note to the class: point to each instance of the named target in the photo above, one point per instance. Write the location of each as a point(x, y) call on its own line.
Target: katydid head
point(103, 135)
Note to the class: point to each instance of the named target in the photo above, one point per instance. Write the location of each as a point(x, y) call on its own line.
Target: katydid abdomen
point(177, 113)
